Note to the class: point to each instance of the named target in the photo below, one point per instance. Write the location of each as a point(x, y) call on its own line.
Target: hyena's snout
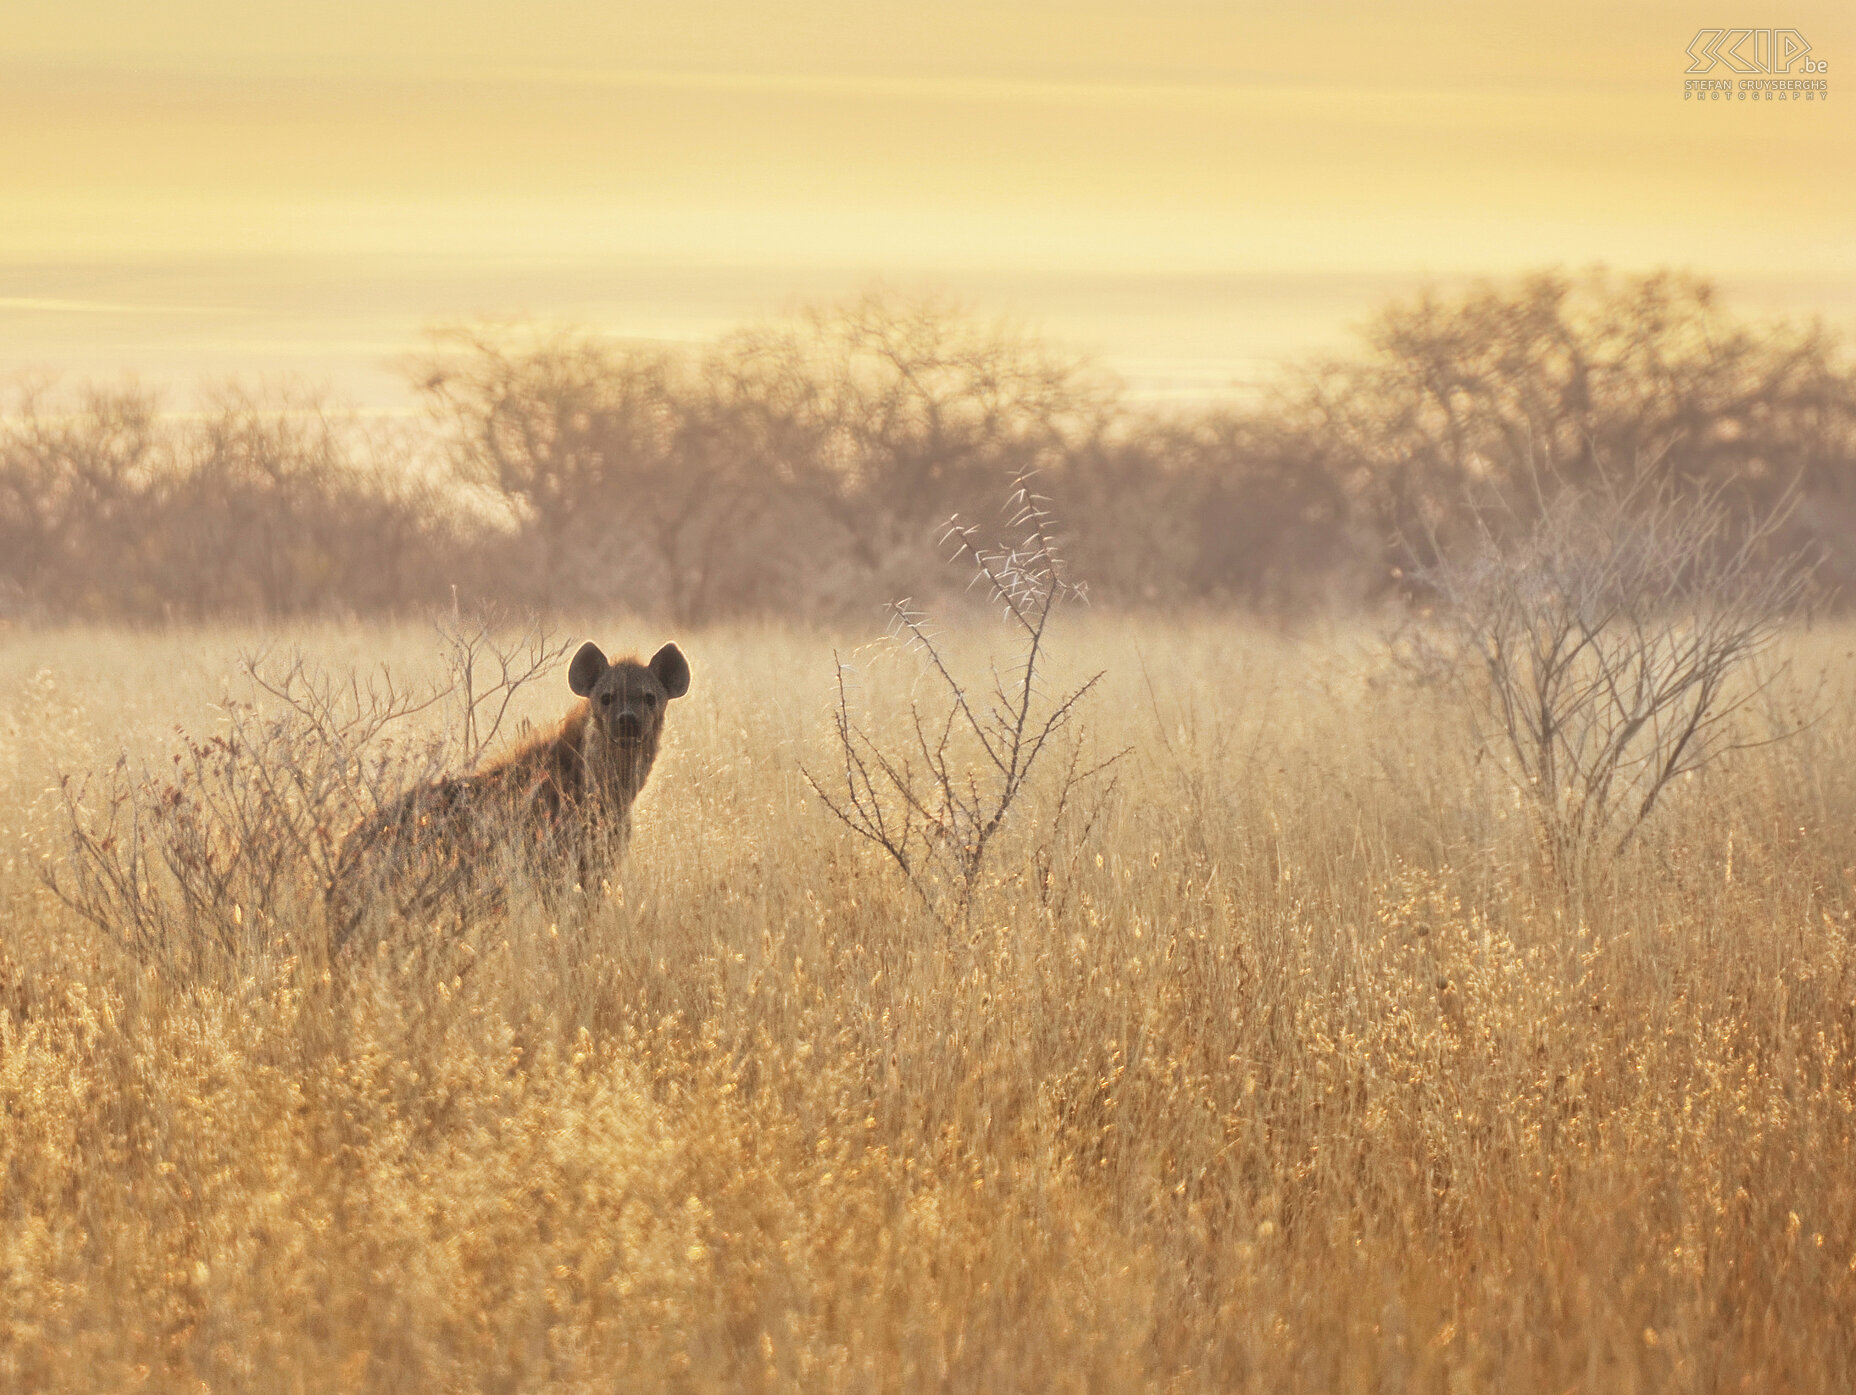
point(628, 729)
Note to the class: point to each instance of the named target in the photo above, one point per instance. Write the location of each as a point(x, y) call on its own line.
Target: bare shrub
point(936, 801)
point(1613, 636)
point(226, 853)
point(489, 661)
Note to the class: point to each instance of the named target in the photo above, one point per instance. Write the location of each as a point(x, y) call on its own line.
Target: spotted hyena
point(555, 812)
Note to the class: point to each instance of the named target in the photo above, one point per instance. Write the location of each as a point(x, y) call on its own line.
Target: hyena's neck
point(610, 774)
point(620, 776)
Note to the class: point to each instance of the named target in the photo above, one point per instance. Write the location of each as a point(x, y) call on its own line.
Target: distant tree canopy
point(1555, 383)
point(809, 467)
point(108, 510)
point(789, 467)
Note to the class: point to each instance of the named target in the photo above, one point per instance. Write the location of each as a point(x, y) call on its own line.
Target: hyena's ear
point(586, 668)
point(671, 669)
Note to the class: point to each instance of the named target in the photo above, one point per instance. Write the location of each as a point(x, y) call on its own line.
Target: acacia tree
point(75, 481)
point(621, 467)
point(806, 456)
point(555, 427)
point(257, 502)
point(913, 410)
point(1558, 376)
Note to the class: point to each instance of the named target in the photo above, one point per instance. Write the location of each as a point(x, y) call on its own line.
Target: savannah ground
point(1305, 1072)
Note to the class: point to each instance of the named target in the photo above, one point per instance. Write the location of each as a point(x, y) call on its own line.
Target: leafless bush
point(211, 859)
point(489, 661)
point(393, 869)
point(936, 801)
point(1613, 639)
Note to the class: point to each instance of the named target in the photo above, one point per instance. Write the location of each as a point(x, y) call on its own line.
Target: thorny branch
point(936, 801)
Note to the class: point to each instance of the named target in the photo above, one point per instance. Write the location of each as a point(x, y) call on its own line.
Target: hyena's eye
point(650, 699)
point(605, 699)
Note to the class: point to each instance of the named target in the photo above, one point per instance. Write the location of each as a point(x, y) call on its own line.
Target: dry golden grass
point(1316, 1081)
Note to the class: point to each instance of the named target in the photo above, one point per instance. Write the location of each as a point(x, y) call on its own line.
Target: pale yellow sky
point(1158, 138)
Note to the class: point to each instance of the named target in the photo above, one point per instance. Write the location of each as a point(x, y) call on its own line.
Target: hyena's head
point(625, 700)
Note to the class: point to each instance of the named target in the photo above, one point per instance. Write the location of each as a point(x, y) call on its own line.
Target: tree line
point(808, 467)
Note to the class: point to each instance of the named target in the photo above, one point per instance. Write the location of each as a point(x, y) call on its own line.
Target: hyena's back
point(442, 849)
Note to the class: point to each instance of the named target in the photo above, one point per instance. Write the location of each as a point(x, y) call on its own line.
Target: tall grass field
point(1284, 1057)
